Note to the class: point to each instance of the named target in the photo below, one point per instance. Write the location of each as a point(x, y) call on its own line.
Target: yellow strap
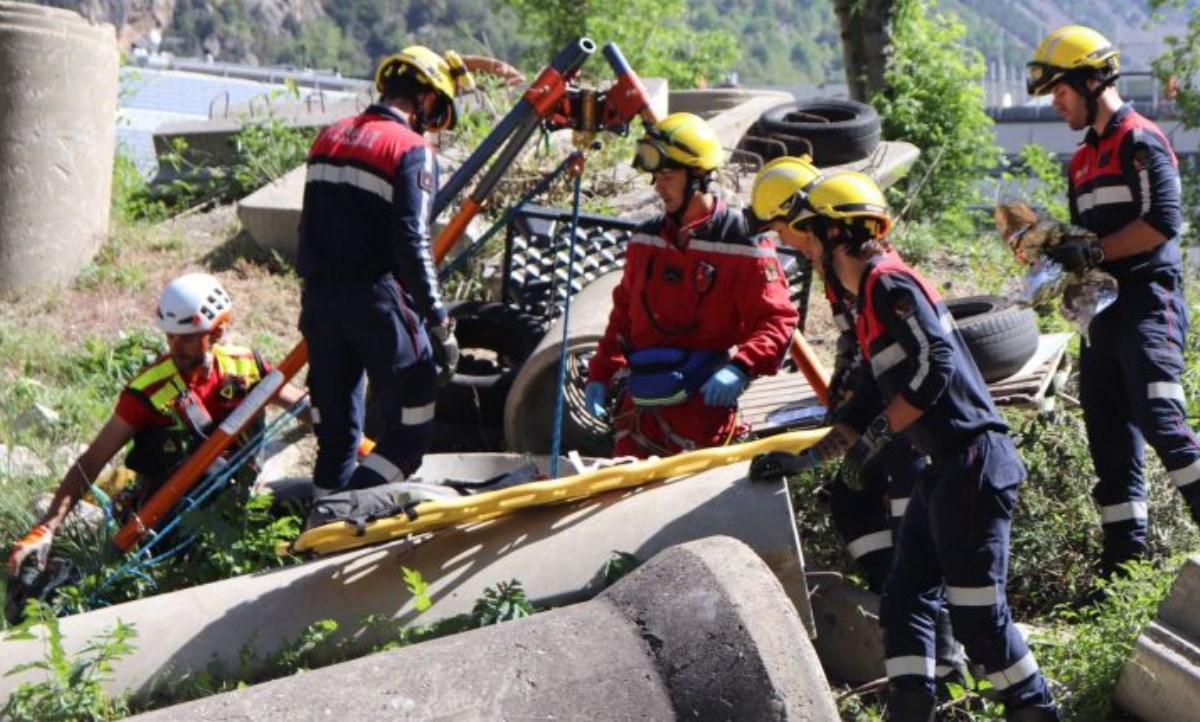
point(159, 371)
point(340, 536)
point(237, 361)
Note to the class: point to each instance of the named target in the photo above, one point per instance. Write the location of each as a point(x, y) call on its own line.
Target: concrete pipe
point(529, 409)
point(702, 631)
point(58, 106)
point(558, 553)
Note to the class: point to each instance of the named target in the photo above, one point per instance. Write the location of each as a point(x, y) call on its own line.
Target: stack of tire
point(831, 131)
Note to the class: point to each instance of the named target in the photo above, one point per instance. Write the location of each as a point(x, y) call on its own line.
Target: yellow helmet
point(780, 188)
point(680, 140)
point(429, 69)
point(1072, 51)
point(850, 197)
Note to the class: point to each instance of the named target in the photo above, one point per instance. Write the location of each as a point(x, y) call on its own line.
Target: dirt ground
point(120, 293)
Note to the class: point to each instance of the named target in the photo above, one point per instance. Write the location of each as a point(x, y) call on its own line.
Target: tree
point(932, 97)
point(1179, 66)
point(866, 27)
point(660, 43)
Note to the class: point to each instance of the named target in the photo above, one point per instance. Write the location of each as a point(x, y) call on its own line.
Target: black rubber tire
point(837, 130)
point(1001, 337)
point(495, 339)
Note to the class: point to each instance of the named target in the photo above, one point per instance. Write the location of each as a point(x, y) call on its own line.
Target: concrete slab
point(849, 640)
point(703, 631)
point(1161, 681)
point(559, 554)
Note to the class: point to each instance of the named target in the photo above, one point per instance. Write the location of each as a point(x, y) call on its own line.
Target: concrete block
point(849, 640)
point(1161, 681)
point(557, 552)
point(701, 631)
point(271, 214)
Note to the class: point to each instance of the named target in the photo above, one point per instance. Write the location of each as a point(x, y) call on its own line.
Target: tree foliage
point(932, 98)
point(660, 44)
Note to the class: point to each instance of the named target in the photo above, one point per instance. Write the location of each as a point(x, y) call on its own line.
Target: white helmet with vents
point(194, 303)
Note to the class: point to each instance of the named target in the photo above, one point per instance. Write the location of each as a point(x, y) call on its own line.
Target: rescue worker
point(867, 519)
point(700, 309)
point(955, 534)
point(371, 301)
point(1123, 184)
point(167, 410)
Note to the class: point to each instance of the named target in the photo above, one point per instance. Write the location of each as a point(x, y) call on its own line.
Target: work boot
point(951, 659)
point(1033, 713)
point(909, 705)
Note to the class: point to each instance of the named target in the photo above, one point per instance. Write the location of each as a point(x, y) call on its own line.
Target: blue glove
point(595, 399)
point(725, 386)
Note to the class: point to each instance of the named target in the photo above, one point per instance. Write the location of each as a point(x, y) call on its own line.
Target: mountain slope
point(783, 42)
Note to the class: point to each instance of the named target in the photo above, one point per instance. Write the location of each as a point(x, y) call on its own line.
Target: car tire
point(833, 131)
point(1000, 336)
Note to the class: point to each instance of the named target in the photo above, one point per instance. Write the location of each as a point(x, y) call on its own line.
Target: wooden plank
point(785, 402)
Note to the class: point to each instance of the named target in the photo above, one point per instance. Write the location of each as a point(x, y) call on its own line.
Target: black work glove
point(774, 465)
point(865, 452)
point(1076, 256)
point(445, 350)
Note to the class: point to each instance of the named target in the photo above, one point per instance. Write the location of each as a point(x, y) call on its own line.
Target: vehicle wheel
point(1001, 337)
point(833, 131)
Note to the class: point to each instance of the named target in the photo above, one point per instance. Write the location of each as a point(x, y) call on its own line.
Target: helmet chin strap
point(1091, 97)
point(821, 230)
point(696, 183)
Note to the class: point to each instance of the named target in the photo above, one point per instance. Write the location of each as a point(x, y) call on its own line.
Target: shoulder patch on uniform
point(425, 180)
point(770, 269)
point(902, 304)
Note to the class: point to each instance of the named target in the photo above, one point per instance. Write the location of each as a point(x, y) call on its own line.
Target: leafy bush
point(933, 99)
point(1086, 648)
point(73, 688)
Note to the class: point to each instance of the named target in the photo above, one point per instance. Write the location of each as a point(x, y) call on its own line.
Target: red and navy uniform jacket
point(171, 416)
point(703, 287)
point(911, 348)
point(368, 200)
point(1128, 172)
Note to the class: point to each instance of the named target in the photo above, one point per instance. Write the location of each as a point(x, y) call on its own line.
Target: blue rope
point(560, 396)
point(208, 486)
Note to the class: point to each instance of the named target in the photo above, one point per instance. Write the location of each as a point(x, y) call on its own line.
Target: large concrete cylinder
point(58, 108)
point(559, 554)
point(529, 408)
point(702, 631)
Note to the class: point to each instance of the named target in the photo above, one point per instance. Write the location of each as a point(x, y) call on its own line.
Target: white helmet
point(195, 303)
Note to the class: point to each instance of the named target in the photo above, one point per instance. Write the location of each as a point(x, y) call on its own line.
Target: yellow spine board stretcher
point(342, 536)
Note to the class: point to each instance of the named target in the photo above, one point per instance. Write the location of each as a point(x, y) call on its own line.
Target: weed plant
point(1085, 648)
point(72, 688)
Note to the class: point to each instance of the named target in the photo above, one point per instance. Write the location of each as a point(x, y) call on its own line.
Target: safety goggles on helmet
point(1073, 52)
point(1041, 77)
point(651, 154)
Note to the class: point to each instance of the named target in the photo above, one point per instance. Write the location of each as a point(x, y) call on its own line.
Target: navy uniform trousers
point(1129, 383)
point(953, 541)
point(352, 327)
point(869, 521)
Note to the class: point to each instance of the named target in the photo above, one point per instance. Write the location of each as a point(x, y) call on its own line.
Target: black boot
point(1033, 713)
point(951, 661)
point(909, 705)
